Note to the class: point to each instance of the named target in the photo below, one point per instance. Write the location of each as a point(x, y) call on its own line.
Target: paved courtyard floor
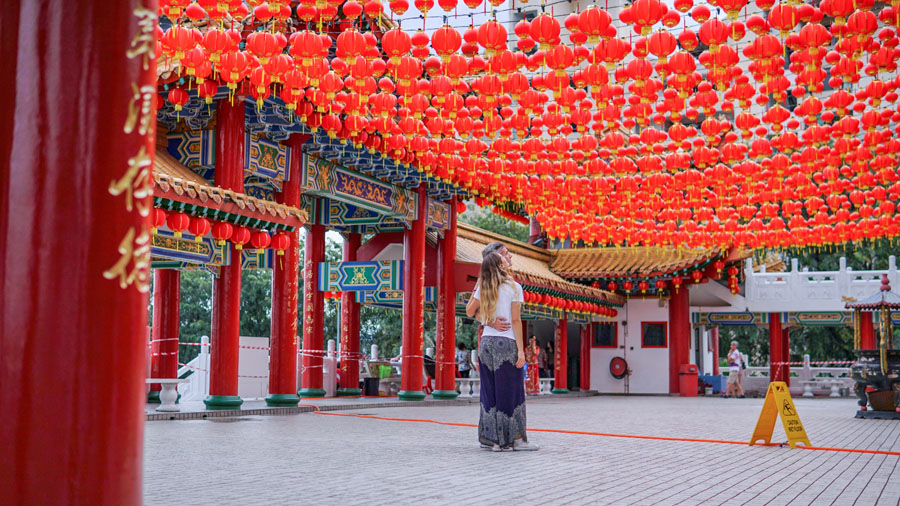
point(310, 458)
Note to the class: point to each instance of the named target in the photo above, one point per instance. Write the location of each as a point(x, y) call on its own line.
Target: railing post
point(373, 352)
point(204, 365)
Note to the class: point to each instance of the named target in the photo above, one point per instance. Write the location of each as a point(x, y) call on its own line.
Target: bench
point(168, 395)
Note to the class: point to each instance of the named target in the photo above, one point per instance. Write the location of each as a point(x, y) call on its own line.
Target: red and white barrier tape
point(204, 370)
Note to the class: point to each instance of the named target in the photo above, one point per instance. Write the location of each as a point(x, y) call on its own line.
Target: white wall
point(649, 366)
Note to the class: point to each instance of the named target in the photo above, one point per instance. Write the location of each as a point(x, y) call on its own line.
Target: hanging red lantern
point(239, 237)
point(221, 232)
point(643, 286)
point(676, 283)
point(697, 276)
point(199, 227)
point(612, 286)
point(178, 222)
point(178, 97)
point(260, 239)
point(281, 242)
point(159, 219)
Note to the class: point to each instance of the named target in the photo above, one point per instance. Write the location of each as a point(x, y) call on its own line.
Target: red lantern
point(239, 237)
point(159, 218)
point(612, 286)
point(676, 283)
point(260, 239)
point(178, 222)
point(199, 227)
point(221, 232)
point(719, 265)
point(643, 286)
point(697, 276)
point(281, 242)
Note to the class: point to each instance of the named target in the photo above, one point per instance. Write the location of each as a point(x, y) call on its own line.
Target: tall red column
point(866, 331)
point(285, 294)
point(679, 335)
point(786, 355)
point(587, 335)
point(226, 294)
point(444, 381)
point(714, 333)
point(350, 328)
point(414, 302)
point(313, 314)
point(76, 151)
point(166, 323)
point(775, 348)
point(560, 365)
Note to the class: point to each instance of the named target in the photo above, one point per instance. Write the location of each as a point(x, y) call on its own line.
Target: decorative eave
point(629, 262)
point(177, 187)
point(883, 299)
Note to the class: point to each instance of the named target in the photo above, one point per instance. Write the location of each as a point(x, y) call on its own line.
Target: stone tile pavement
point(319, 459)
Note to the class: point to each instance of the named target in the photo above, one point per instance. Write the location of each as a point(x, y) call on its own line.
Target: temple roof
point(175, 182)
point(600, 263)
point(530, 263)
point(882, 298)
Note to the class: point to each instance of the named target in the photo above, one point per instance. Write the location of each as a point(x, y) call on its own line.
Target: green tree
point(196, 311)
point(483, 217)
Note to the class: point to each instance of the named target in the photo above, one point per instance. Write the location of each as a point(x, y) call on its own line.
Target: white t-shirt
point(508, 293)
point(734, 357)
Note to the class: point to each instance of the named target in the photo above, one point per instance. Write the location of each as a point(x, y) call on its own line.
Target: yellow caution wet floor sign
point(778, 402)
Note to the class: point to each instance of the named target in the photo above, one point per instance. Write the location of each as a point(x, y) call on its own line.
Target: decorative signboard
point(266, 159)
point(327, 179)
point(258, 258)
point(804, 318)
point(381, 276)
point(263, 158)
point(193, 148)
point(185, 249)
point(394, 298)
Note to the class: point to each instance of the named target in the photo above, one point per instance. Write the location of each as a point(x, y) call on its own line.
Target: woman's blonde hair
point(492, 277)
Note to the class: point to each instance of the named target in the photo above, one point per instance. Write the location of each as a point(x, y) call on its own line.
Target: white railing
point(198, 387)
point(796, 290)
point(806, 380)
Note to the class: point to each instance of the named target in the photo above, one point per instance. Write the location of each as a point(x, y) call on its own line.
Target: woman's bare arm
point(517, 330)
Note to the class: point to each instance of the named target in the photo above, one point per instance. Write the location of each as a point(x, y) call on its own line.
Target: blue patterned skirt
point(502, 417)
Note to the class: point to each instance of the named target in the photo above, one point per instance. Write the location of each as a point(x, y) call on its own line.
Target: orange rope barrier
point(601, 434)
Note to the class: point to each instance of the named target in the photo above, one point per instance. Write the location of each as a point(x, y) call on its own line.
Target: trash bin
point(687, 380)
point(370, 387)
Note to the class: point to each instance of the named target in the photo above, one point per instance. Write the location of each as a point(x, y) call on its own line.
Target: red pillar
point(587, 335)
point(714, 333)
point(313, 315)
point(75, 190)
point(786, 355)
point(350, 328)
point(414, 302)
point(561, 359)
point(866, 331)
point(775, 348)
point(679, 335)
point(226, 294)
point(444, 381)
point(166, 323)
point(285, 294)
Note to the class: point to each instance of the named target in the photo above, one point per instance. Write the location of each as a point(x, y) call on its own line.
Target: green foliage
point(196, 311)
point(482, 217)
point(256, 303)
point(820, 343)
point(867, 255)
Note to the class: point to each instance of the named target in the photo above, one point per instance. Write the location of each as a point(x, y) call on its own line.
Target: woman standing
point(501, 355)
point(532, 384)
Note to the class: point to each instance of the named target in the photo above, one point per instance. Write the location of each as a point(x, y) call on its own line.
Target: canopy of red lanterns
point(730, 124)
